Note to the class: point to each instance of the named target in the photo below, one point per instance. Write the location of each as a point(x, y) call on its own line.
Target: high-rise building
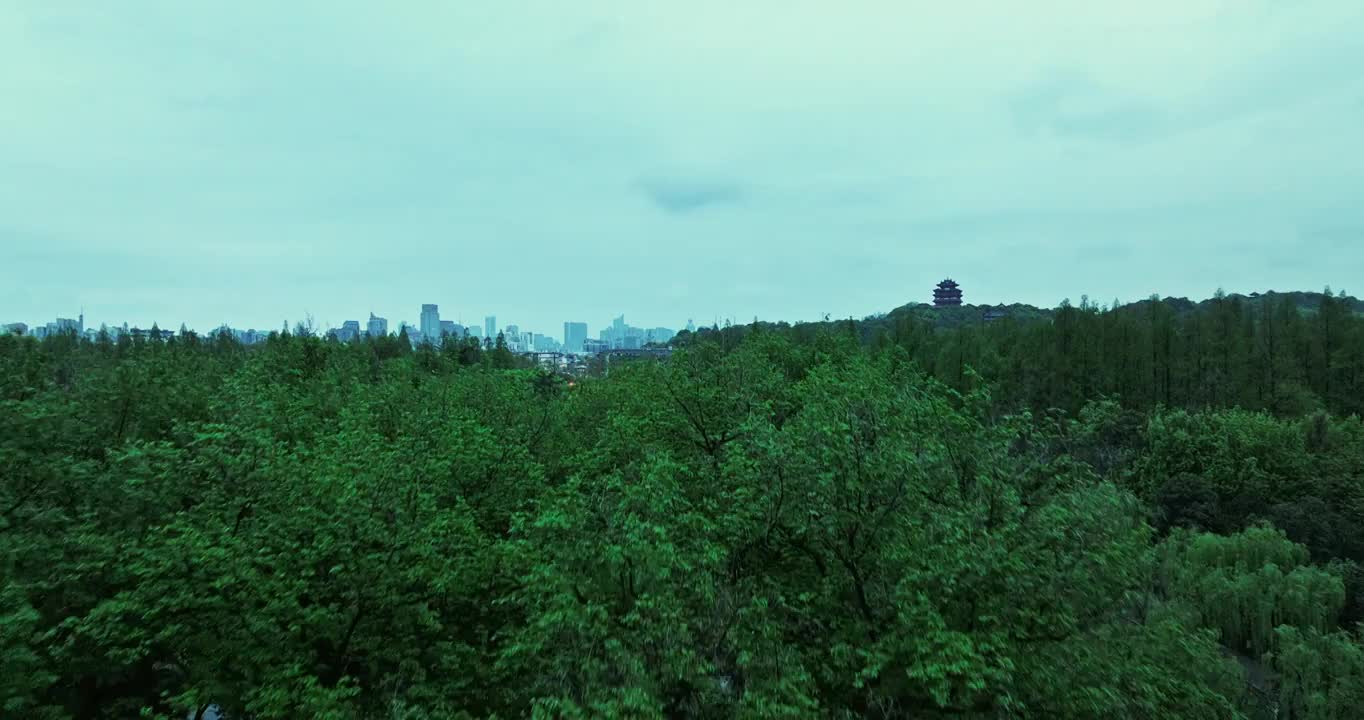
point(447, 328)
point(350, 330)
point(378, 327)
point(617, 332)
point(659, 335)
point(490, 326)
point(430, 323)
point(575, 334)
point(413, 332)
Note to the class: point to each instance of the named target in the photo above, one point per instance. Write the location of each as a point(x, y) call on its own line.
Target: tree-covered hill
point(1287, 353)
point(969, 314)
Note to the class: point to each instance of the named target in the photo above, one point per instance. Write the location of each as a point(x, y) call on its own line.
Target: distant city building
point(252, 336)
point(14, 329)
point(67, 325)
point(617, 355)
point(490, 326)
point(595, 346)
point(947, 293)
point(151, 334)
point(447, 328)
point(575, 334)
point(378, 327)
point(691, 326)
point(620, 335)
point(430, 323)
point(350, 331)
point(414, 335)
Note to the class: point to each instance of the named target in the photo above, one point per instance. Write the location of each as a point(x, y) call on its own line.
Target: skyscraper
point(490, 326)
point(430, 323)
point(378, 327)
point(575, 334)
point(349, 331)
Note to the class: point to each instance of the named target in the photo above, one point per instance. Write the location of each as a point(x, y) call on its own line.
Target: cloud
point(323, 156)
point(681, 196)
point(1334, 238)
point(1072, 104)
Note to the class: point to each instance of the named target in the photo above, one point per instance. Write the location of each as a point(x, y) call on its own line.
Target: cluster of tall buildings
point(56, 327)
point(576, 339)
point(430, 328)
point(622, 336)
point(76, 326)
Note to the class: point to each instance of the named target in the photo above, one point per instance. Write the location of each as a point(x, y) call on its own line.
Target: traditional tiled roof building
point(947, 293)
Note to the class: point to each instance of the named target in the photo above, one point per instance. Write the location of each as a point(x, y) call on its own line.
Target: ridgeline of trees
point(1144, 512)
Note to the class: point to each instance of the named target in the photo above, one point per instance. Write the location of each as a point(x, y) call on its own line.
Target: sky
point(254, 162)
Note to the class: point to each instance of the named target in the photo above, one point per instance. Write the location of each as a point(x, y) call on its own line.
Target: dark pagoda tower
point(947, 293)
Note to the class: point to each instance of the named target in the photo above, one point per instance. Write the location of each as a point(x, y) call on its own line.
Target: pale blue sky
point(546, 161)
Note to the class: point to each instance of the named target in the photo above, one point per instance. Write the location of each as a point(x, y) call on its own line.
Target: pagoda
point(947, 293)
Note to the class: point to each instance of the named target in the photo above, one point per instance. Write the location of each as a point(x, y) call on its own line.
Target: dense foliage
point(1287, 353)
point(773, 523)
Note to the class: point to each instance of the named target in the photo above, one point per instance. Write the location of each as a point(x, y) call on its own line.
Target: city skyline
point(431, 327)
point(370, 322)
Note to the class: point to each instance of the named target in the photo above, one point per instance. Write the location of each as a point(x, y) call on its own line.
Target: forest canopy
point(1136, 512)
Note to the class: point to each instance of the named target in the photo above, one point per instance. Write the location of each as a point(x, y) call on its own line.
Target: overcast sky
point(251, 162)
